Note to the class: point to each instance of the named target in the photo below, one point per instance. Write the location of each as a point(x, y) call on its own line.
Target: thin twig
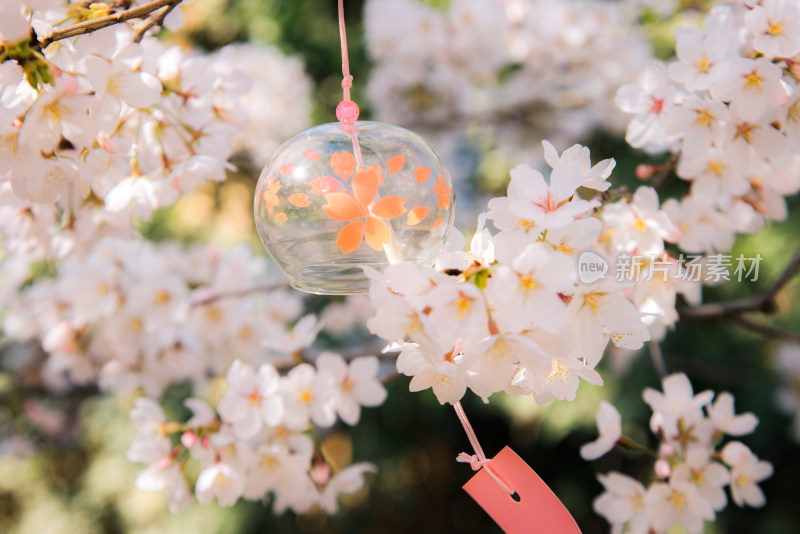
point(613, 194)
point(658, 359)
point(763, 302)
point(239, 293)
point(664, 171)
point(90, 26)
point(766, 329)
point(155, 20)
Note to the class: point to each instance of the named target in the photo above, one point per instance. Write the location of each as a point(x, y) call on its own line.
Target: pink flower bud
point(666, 450)
point(320, 473)
point(165, 462)
point(644, 171)
point(189, 439)
point(662, 468)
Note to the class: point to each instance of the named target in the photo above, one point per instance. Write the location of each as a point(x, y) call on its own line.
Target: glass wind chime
point(351, 193)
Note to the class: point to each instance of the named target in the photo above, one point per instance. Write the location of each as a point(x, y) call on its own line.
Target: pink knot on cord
point(347, 82)
point(474, 462)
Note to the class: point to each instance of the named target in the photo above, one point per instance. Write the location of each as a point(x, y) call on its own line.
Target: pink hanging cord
point(477, 460)
point(347, 111)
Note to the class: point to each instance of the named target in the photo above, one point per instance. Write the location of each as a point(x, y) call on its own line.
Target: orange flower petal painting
point(300, 200)
point(311, 155)
point(342, 207)
point(437, 223)
point(421, 174)
point(389, 207)
point(365, 186)
point(324, 184)
point(271, 194)
point(281, 217)
point(287, 169)
point(377, 233)
point(416, 215)
point(349, 237)
point(444, 193)
point(381, 176)
point(395, 163)
point(343, 164)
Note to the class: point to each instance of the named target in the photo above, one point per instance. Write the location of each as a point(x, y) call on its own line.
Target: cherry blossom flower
point(308, 395)
point(677, 502)
point(746, 472)
point(527, 290)
point(622, 502)
point(252, 399)
point(721, 413)
point(697, 53)
point(356, 384)
point(609, 427)
point(750, 85)
point(677, 406)
point(773, 25)
point(345, 482)
point(708, 476)
point(649, 103)
point(221, 481)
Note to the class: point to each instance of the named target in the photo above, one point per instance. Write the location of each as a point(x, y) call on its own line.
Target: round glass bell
point(340, 196)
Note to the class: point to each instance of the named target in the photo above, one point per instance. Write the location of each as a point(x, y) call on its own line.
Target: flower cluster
point(502, 316)
point(511, 70)
point(692, 466)
point(635, 232)
point(98, 132)
point(133, 315)
point(728, 107)
point(261, 442)
point(279, 102)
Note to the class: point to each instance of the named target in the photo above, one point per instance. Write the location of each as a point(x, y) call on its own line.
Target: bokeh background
point(76, 480)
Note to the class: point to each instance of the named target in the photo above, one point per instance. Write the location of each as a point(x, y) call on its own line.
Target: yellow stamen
point(715, 167)
point(463, 304)
point(753, 81)
point(213, 313)
point(704, 117)
point(528, 283)
point(677, 500)
point(527, 224)
point(558, 372)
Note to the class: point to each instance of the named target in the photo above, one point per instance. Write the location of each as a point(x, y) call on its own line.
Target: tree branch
point(203, 301)
point(766, 329)
point(664, 171)
point(155, 20)
point(90, 26)
point(763, 302)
